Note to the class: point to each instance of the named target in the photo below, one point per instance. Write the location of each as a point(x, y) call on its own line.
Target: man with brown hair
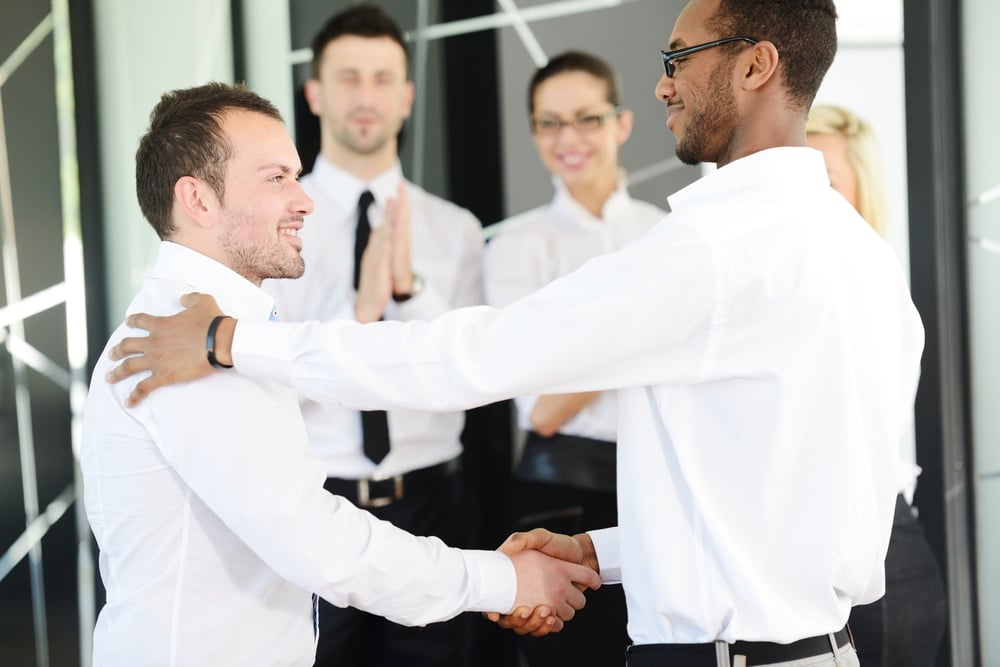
point(213, 525)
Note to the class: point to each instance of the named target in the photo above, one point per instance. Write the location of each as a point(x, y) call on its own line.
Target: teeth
point(290, 232)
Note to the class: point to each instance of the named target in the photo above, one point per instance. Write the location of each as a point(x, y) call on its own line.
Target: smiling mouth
point(574, 160)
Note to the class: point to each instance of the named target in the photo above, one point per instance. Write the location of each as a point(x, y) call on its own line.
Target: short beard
point(713, 124)
point(256, 264)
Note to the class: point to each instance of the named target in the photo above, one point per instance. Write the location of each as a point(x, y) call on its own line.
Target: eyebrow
point(585, 110)
point(285, 169)
point(676, 45)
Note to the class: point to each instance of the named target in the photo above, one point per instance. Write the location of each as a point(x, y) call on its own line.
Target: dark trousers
point(905, 627)
point(596, 635)
point(352, 638)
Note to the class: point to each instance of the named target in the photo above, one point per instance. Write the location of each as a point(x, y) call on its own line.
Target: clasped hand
point(552, 572)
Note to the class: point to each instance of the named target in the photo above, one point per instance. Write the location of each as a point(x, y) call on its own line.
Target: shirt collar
point(235, 295)
point(787, 168)
point(345, 189)
point(615, 205)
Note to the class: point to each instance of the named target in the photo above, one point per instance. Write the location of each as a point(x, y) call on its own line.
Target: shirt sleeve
point(606, 545)
point(512, 268)
point(622, 320)
point(239, 444)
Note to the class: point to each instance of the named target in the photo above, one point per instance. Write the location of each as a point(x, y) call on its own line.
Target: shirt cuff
point(492, 581)
point(607, 547)
point(260, 349)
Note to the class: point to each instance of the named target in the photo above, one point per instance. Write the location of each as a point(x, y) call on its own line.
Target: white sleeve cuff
point(606, 545)
point(492, 581)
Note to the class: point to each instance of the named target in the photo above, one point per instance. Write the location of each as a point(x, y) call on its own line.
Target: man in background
point(378, 247)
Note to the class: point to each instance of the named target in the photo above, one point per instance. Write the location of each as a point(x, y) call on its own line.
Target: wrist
point(589, 552)
point(219, 341)
point(416, 286)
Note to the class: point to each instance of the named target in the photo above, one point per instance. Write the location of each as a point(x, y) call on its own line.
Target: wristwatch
point(416, 287)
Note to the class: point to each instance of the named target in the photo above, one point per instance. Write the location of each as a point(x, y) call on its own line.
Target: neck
point(763, 129)
point(362, 166)
point(593, 196)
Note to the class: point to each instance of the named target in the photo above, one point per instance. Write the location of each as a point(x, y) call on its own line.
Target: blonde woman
point(904, 627)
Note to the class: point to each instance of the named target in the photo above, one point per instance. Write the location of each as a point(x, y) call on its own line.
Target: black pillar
point(933, 76)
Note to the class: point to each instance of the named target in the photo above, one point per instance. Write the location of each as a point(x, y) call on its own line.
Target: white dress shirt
point(446, 248)
point(766, 352)
point(213, 524)
point(552, 241)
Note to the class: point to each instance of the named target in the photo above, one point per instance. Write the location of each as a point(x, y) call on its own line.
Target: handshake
point(552, 572)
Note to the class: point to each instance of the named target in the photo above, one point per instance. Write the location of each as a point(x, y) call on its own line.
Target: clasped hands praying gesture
point(386, 266)
point(552, 570)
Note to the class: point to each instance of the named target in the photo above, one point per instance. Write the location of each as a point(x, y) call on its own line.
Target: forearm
point(554, 410)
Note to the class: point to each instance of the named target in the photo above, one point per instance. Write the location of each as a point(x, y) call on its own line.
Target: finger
point(141, 321)
point(582, 576)
point(536, 539)
point(127, 368)
point(553, 624)
point(575, 598)
point(491, 616)
point(516, 619)
point(192, 299)
point(514, 543)
point(527, 621)
point(141, 391)
point(565, 610)
point(129, 346)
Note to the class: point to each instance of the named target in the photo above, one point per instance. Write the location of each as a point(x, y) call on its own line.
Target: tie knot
point(366, 200)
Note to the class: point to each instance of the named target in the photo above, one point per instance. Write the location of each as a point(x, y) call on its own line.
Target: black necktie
point(374, 425)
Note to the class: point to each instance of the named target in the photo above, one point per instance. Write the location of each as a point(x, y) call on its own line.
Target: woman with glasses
point(904, 627)
point(565, 480)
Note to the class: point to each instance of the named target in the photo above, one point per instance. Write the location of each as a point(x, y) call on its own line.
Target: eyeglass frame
point(670, 56)
point(616, 111)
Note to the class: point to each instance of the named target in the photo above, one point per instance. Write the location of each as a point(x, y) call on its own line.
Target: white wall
point(143, 50)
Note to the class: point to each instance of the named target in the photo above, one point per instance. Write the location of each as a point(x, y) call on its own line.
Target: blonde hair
point(862, 155)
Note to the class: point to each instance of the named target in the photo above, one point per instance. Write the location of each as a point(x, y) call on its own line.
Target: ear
point(625, 121)
point(313, 97)
point(196, 200)
point(760, 65)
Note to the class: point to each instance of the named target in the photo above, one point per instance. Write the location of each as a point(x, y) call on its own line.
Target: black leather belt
point(382, 492)
point(757, 653)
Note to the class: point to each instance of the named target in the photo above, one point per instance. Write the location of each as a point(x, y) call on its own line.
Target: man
point(210, 514)
point(403, 466)
point(762, 339)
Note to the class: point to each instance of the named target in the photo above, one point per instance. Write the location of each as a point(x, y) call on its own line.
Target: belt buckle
point(365, 499)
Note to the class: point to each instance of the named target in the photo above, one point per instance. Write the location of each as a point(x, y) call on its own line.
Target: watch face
point(416, 286)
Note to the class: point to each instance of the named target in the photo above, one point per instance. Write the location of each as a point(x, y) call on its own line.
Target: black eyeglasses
point(551, 126)
point(670, 57)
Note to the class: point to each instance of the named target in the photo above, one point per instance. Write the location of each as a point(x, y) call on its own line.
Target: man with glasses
point(565, 477)
point(763, 343)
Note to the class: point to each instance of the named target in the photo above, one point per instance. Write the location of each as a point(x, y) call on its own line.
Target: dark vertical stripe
point(936, 185)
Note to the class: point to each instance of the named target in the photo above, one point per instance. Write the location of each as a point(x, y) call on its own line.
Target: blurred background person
point(565, 480)
point(905, 627)
point(379, 247)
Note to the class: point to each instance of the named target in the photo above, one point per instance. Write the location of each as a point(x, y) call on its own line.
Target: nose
point(302, 203)
point(664, 89)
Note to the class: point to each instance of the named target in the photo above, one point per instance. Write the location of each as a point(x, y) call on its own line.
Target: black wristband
point(210, 342)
